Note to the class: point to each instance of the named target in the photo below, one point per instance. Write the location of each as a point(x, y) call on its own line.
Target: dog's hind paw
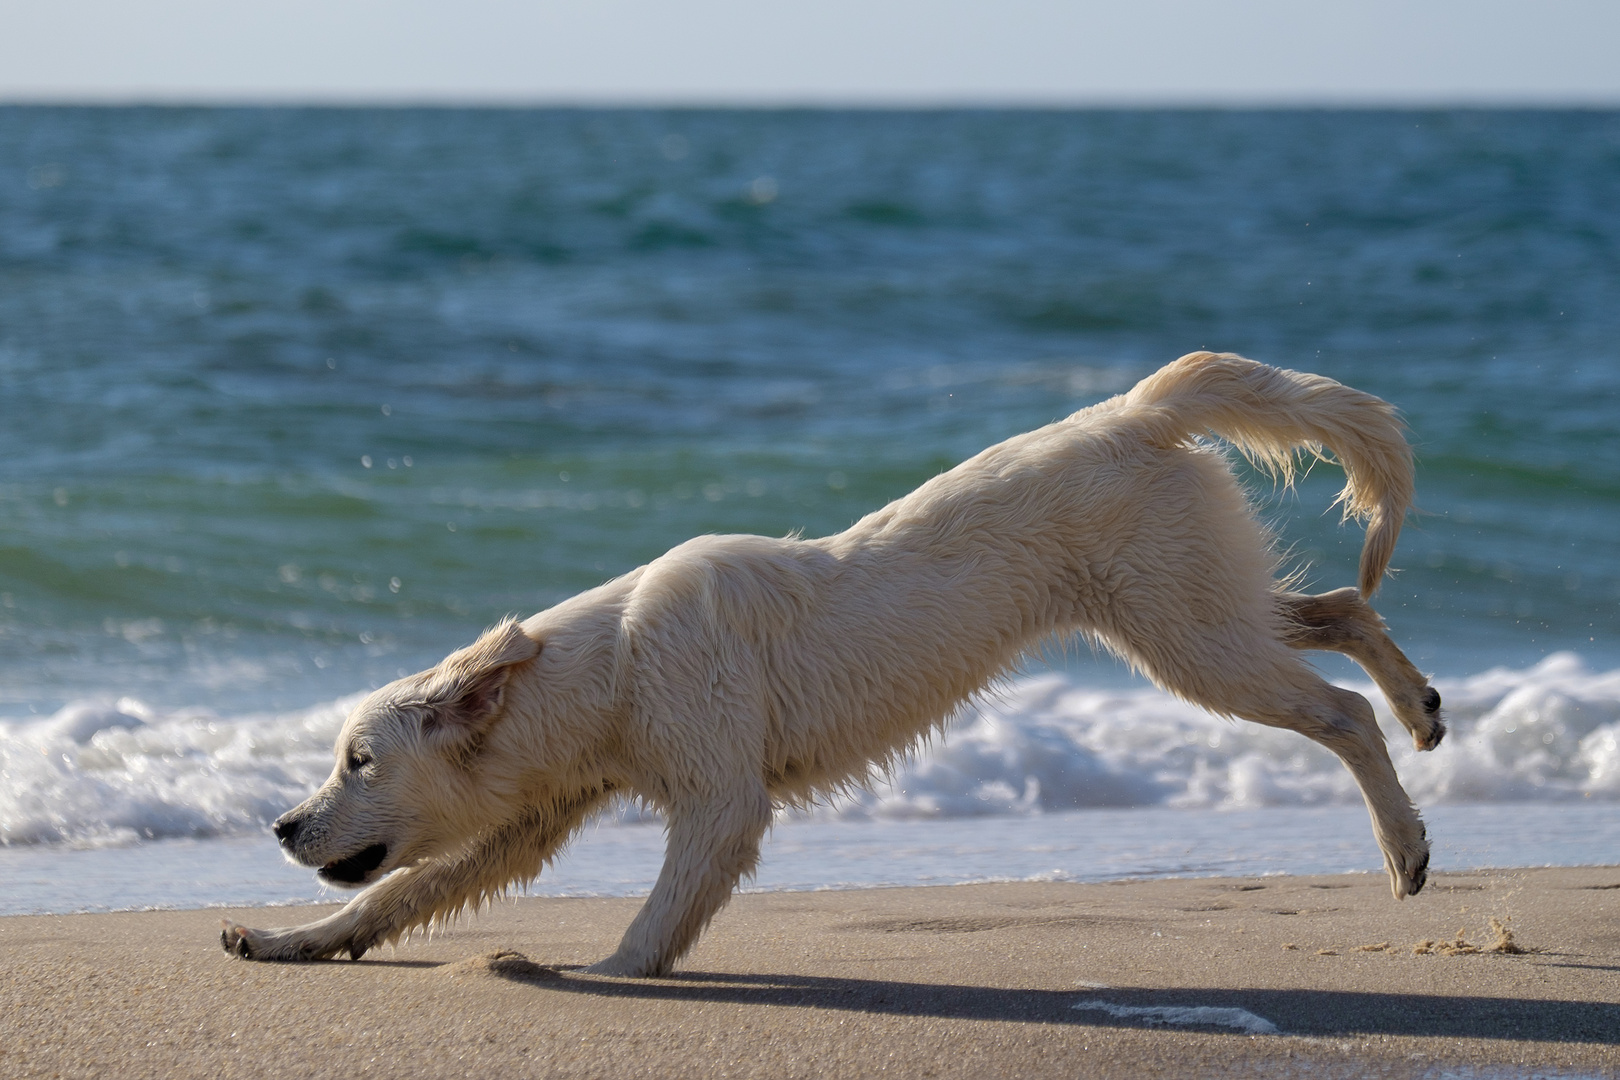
point(1420, 875)
point(1436, 729)
point(1408, 870)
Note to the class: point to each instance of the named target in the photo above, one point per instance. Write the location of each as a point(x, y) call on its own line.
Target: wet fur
point(737, 674)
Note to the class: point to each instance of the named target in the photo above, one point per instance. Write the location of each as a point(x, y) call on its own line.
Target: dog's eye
point(358, 760)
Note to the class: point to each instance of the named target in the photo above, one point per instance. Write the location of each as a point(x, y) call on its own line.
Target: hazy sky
point(863, 51)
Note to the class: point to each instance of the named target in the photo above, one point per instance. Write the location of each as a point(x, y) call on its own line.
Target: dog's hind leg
point(1342, 622)
point(1243, 668)
point(713, 844)
point(1193, 603)
point(419, 895)
point(1343, 721)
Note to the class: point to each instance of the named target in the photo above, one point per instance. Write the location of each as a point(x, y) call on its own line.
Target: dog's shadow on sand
point(1293, 1012)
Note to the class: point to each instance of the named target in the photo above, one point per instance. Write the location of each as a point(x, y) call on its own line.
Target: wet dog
point(737, 674)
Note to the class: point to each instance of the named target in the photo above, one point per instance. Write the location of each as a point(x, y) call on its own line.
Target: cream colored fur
point(737, 674)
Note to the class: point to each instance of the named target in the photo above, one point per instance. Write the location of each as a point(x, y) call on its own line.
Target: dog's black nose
point(286, 830)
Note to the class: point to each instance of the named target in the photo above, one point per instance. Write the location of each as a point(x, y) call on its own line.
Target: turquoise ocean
point(294, 401)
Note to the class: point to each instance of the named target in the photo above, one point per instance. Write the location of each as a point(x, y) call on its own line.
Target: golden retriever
point(738, 674)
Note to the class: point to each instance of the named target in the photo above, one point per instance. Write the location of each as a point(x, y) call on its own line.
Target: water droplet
point(46, 176)
point(763, 190)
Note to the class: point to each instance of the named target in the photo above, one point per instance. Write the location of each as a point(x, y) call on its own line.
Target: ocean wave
point(118, 772)
point(104, 773)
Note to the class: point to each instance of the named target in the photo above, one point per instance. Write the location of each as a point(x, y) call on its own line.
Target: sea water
point(295, 401)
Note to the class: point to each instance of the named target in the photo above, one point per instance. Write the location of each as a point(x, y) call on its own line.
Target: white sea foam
point(1550, 732)
point(1204, 1015)
point(101, 773)
point(108, 773)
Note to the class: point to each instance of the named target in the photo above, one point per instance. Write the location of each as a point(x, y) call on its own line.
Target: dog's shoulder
point(747, 584)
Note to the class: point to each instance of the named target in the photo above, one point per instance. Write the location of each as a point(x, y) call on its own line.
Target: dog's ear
point(468, 687)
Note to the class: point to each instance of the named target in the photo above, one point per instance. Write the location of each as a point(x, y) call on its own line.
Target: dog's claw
point(234, 939)
point(1437, 729)
point(1436, 733)
point(1420, 876)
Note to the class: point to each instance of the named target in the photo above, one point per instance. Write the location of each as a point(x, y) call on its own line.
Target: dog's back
point(1111, 523)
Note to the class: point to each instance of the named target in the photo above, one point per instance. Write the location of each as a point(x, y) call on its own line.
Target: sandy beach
point(1168, 977)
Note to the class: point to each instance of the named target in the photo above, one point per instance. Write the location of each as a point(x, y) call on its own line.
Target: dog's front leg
point(417, 895)
point(712, 845)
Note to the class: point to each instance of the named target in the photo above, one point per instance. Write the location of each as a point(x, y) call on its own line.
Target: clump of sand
point(1504, 942)
point(505, 963)
point(1460, 945)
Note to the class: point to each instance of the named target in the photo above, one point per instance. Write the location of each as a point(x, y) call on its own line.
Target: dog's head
point(403, 787)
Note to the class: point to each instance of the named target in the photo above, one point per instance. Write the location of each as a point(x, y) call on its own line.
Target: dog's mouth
point(356, 868)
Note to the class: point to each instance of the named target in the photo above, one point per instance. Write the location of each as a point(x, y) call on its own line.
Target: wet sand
point(1174, 977)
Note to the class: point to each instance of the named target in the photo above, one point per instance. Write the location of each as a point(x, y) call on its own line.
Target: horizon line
point(813, 102)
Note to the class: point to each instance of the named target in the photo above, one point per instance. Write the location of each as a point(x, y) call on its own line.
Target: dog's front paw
point(239, 940)
point(290, 945)
point(625, 967)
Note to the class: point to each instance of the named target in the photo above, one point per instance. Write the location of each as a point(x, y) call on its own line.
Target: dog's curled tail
point(1268, 413)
